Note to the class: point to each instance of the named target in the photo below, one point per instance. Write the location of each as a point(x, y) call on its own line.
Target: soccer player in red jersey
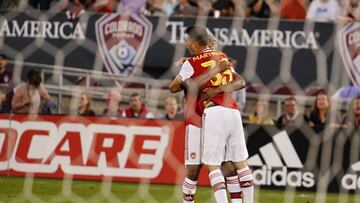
point(193, 134)
point(223, 135)
point(192, 115)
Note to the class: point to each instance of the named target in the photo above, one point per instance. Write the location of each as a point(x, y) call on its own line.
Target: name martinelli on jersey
point(258, 38)
point(42, 29)
point(206, 55)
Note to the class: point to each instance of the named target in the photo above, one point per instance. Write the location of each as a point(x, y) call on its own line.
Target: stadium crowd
point(31, 97)
point(317, 10)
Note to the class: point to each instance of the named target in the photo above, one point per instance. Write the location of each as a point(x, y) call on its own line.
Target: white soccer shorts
point(223, 136)
point(192, 145)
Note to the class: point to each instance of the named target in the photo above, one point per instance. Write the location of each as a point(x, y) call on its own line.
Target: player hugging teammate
point(217, 139)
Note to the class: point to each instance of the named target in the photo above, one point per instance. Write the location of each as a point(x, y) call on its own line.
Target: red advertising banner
point(92, 148)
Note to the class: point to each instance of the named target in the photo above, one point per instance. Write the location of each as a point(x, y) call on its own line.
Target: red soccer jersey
point(192, 114)
point(202, 62)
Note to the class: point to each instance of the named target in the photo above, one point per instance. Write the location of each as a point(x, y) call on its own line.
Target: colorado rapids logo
point(123, 41)
point(350, 51)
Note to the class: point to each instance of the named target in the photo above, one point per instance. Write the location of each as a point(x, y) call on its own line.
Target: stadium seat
point(257, 88)
point(284, 89)
point(314, 90)
point(134, 85)
point(81, 81)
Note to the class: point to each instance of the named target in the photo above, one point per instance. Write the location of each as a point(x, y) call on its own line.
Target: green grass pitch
point(18, 189)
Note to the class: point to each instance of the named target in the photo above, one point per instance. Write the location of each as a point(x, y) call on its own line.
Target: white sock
point(218, 184)
point(233, 187)
point(189, 189)
point(246, 184)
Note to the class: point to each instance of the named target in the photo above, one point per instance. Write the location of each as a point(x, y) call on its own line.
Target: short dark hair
point(34, 77)
point(135, 95)
point(198, 34)
point(290, 98)
point(3, 56)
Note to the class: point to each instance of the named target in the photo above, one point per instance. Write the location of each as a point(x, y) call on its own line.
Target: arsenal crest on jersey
point(123, 41)
point(193, 155)
point(349, 38)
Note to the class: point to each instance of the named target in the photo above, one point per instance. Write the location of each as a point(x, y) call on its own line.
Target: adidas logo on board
point(276, 158)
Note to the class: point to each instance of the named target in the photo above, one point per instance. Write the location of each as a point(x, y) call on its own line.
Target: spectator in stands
point(2, 99)
point(27, 96)
point(204, 7)
point(293, 9)
point(13, 5)
point(59, 6)
point(320, 110)
point(171, 109)
point(103, 6)
point(77, 8)
point(323, 10)
point(154, 8)
point(84, 108)
point(222, 8)
point(5, 74)
point(137, 108)
point(240, 7)
point(262, 8)
point(352, 118)
point(127, 7)
point(185, 8)
point(292, 115)
point(5, 84)
point(261, 114)
point(350, 11)
point(168, 6)
point(112, 108)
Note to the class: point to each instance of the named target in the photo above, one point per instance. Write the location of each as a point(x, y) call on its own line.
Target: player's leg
point(214, 150)
point(232, 181)
point(246, 181)
point(192, 162)
point(237, 152)
point(217, 182)
point(190, 182)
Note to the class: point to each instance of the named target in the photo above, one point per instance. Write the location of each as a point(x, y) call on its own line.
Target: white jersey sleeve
point(186, 71)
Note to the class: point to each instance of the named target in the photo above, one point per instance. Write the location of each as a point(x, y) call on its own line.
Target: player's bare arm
point(176, 85)
point(179, 62)
point(237, 84)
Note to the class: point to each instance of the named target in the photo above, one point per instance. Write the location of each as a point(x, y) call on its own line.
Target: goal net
point(100, 57)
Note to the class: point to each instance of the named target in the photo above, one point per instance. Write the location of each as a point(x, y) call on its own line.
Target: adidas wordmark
point(276, 171)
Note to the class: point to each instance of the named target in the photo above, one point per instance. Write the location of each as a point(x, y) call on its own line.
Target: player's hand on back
point(223, 64)
point(179, 62)
point(209, 93)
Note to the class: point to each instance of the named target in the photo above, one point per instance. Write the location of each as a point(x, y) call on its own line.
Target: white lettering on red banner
point(79, 149)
